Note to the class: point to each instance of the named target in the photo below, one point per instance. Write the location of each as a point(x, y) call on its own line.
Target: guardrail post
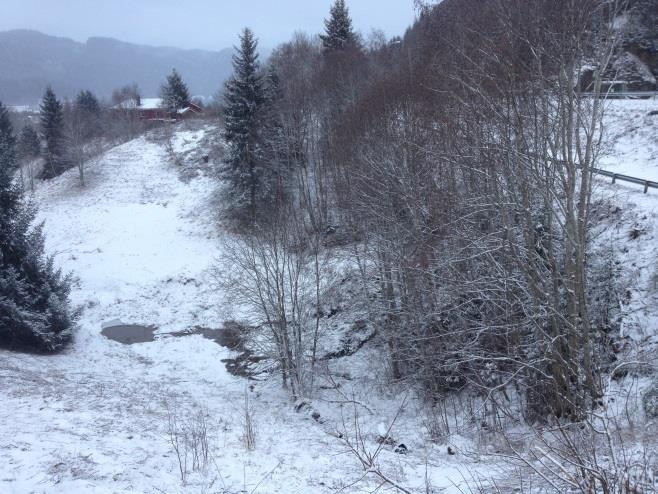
point(625, 178)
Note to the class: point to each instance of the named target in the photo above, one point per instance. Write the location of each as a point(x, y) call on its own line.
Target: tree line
point(71, 133)
point(35, 311)
point(453, 166)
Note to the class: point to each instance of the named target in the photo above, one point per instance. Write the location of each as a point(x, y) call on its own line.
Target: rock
point(451, 451)
point(636, 233)
point(360, 333)
point(401, 449)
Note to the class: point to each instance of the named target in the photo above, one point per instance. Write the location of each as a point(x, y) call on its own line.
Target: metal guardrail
point(622, 95)
point(648, 184)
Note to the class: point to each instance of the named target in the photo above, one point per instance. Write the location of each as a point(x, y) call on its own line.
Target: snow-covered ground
point(94, 419)
point(632, 137)
point(632, 231)
point(143, 242)
point(632, 133)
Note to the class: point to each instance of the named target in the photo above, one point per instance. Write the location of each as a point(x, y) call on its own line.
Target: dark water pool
point(245, 364)
point(129, 334)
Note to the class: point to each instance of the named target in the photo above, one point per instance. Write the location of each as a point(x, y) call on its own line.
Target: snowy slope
point(142, 243)
point(632, 237)
point(631, 135)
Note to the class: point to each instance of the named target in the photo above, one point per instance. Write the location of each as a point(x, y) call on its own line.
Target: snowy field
point(142, 243)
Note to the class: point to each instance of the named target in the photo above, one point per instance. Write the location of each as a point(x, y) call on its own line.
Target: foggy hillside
point(30, 60)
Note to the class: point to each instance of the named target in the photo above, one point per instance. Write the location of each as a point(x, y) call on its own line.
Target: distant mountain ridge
point(30, 61)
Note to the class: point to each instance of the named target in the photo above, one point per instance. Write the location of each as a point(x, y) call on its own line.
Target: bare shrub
point(276, 276)
point(248, 423)
point(354, 439)
point(599, 454)
point(436, 421)
point(188, 436)
point(167, 137)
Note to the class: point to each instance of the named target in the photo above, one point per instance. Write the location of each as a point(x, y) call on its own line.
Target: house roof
point(145, 104)
point(151, 103)
point(155, 104)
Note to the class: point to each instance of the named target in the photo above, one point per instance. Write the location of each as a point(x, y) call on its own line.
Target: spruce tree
point(87, 102)
point(88, 113)
point(35, 312)
point(29, 146)
point(174, 92)
point(52, 132)
point(339, 33)
point(243, 101)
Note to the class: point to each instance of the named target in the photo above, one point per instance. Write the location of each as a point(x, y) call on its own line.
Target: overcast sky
point(206, 24)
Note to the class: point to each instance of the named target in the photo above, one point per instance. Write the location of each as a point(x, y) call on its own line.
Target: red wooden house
point(151, 109)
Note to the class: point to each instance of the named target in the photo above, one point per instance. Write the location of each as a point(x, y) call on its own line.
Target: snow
point(151, 103)
point(144, 104)
point(94, 419)
point(143, 244)
point(23, 108)
point(631, 233)
point(132, 228)
point(632, 134)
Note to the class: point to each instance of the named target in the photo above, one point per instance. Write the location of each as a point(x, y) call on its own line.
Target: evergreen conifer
point(29, 145)
point(35, 313)
point(243, 101)
point(52, 131)
point(339, 33)
point(174, 92)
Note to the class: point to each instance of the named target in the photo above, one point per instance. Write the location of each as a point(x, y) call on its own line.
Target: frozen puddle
point(128, 334)
point(245, 364)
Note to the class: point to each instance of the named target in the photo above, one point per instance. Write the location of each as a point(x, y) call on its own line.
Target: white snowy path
point(94, 419)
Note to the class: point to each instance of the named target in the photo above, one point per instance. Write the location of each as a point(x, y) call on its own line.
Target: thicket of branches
point(456, 161)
